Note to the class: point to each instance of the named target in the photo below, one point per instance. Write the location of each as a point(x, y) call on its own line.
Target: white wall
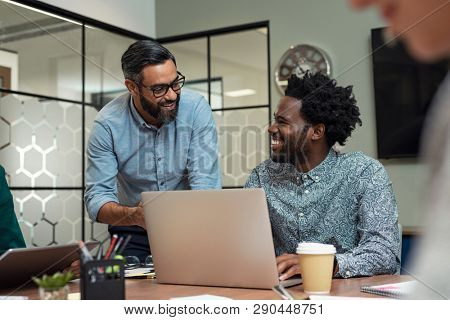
point(330, 25)
point(133, 15)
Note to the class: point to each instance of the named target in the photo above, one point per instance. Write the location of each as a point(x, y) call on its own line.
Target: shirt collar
point(321, 171)
point(323, 168)
point(138, 118)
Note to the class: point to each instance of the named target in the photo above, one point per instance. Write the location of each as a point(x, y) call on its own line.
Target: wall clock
point(299, 59)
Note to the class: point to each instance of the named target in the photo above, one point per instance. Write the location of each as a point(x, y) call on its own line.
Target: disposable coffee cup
point(316, 265)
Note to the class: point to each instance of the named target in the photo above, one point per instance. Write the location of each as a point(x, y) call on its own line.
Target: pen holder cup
point(102, 280)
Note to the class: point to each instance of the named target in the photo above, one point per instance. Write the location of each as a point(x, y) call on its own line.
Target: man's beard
point(293, 152)
point(156, 110)
point(288, 154)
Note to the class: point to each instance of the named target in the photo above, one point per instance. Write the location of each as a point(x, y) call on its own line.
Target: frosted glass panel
point(54, 217)
point(48, 217)
point(243, 140)
point(42, 144)
point(95, 231)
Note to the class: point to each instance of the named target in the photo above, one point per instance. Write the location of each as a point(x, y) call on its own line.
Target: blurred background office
point(60, 63)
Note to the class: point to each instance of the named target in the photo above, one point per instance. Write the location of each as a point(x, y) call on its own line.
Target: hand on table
point(75, 268)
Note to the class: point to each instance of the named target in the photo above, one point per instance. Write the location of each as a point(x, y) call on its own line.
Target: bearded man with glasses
point(155, 137)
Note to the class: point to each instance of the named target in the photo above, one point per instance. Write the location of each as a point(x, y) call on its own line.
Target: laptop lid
point(17, 266)
point(211, 237)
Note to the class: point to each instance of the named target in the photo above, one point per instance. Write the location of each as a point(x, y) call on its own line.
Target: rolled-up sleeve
point(101, 171)
point(203, 159)
point(378, 250)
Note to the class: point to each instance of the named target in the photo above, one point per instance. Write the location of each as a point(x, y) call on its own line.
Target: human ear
point(318, 132)
point(132, 87)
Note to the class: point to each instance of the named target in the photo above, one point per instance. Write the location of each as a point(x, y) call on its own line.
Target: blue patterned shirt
point(346, 201)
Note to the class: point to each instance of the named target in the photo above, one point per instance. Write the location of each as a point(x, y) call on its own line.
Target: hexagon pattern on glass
point(49, 217)
point(40, 146)
point(42, 138)
point(43, 149)
point(243, 143)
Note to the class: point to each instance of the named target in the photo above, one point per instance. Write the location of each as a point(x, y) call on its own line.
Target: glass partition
point(46, 116)
point(104, 77)
point(243, 141)
point(231, 70)
point(240, 59)
point(42, 52)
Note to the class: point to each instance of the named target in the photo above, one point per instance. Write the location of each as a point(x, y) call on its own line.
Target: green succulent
point(56, 281)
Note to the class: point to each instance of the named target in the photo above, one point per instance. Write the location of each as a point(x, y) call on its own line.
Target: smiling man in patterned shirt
point(317, 194)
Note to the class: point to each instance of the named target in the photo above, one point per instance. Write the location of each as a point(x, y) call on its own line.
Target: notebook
point(145, 272)
point(392, 290)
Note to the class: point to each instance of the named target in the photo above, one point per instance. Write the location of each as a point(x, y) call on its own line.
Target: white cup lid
point(315, 248)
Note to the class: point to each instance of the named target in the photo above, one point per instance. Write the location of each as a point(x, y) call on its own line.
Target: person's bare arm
point(117, 215)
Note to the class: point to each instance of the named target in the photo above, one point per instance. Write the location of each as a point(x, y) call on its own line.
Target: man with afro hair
point(317, 194)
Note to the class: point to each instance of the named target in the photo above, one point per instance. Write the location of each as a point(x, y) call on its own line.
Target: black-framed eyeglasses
point(160, 90)
point(133, 262)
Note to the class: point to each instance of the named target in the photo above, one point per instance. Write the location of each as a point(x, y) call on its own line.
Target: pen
point(85, 255)
point(124, 244)
point(116, 247)
point(99, 253)
point(111, 246)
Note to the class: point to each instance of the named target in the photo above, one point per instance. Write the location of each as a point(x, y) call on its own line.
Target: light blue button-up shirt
point(346, 201)
point(126, 156)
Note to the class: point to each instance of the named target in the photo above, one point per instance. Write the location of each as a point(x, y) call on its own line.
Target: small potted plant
point(54, 287)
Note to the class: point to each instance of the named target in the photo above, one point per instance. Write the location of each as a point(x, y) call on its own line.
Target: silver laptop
point(17, 266)
point(211, 238)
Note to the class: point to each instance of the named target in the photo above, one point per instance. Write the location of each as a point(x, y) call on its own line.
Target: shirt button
point(301, 214)
point(161, 184)
point(304, 177)
point(347, 273)
point(159, 159)
point(298, 178)
point(306, 191)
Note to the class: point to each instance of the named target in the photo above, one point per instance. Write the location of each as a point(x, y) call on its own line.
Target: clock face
point(299, 59)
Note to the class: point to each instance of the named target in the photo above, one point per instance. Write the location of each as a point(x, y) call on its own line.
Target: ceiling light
point(41, 11)
point(240, 93)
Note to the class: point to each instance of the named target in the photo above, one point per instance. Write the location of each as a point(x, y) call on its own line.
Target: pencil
point(111, 246)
